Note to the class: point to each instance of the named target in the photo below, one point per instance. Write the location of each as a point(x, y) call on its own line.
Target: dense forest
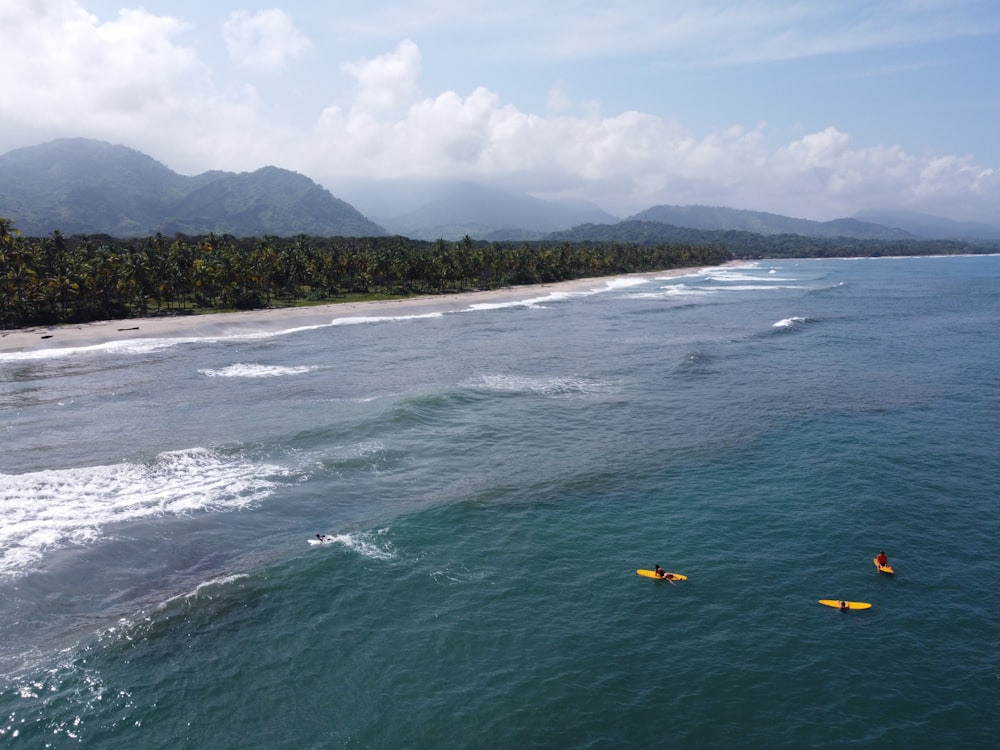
point(743, 244)
point(81, 278)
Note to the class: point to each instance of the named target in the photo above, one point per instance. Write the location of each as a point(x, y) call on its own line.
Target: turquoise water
point(491, 479)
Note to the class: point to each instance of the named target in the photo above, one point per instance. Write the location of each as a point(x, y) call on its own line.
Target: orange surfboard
point(835, 603)
point(665, 577)
point(883, 568)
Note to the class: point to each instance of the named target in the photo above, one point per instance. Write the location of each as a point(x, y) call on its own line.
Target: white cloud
point(132, 80)
point(630, 161)
point(266, 40)
point(389, 81)
point(129, 80)
point(62, 68)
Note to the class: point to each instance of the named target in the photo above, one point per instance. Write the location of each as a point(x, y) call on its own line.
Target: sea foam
point(373, 544)
point(253, 370)
point(47, 509)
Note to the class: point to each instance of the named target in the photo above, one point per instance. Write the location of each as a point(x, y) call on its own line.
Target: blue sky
point(810, 109)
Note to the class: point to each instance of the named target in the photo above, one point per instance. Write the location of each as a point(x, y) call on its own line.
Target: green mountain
point(83, 186)
point(745, 244)
point(716, 218)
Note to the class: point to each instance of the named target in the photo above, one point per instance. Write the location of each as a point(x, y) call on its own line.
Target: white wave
point(678, 277)
point(790, 322)
point(204, 589)
point(361, 319)
point(147, 345)
point(554, 386)
point(47, 509)
point(527, 302)
point(374, 544)
point(727, 276)
point(126, 346)
point(252, 370)
point(625, 282)
point(150, 345)
point(608, 285)
point(675, 290)
point(758, 287)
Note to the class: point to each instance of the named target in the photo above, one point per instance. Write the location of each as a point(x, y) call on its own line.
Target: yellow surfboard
point(883, 568)
point(665, 577)
point(835, 603)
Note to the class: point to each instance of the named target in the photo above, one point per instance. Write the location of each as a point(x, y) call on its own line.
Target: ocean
point(490, 480)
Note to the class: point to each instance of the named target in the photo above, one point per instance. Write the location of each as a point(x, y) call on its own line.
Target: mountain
point(83, 186)
point(927, 225)
point(454, 210)
point(718, 218)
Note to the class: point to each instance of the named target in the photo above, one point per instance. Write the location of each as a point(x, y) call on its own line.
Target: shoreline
point(270, 320)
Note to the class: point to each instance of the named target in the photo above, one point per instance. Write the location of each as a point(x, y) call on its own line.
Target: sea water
point(491, 479)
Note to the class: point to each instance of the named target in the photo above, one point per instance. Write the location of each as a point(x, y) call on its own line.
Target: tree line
point(82, 278)
point(746, 245)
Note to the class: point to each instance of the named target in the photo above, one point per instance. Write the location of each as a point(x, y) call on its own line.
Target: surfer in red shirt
point(881, 559)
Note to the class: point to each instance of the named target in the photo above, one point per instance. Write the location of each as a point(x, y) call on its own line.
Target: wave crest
point(46, 509)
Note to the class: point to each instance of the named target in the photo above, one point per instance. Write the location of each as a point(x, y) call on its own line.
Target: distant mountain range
point(867, 225)
point(713, 218)
point(454, 210)
point(926, 226)
point(83, 186)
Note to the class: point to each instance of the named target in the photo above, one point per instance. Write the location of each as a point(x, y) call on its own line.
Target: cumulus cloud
point(632, 160)
point(133, 80)
point(387, 82)
point(266, 40)
point(62, 69)
point(129, 80)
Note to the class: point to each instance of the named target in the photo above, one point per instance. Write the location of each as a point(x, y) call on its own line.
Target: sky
point(810, 109)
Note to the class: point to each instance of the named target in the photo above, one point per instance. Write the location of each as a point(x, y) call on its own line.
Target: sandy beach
point(278, 319)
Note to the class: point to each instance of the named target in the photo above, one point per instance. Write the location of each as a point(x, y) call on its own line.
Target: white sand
point(278, 319)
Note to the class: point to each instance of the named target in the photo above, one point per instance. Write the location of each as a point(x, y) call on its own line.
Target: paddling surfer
point(661, 573)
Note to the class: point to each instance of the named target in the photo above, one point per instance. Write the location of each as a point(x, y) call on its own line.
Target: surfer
point(881, 559)
point(321, 537)
point(661, 573)
point(844, 606)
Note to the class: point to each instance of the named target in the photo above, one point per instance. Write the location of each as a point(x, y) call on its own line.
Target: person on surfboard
point(844, 606)
point(881, 559)
point(661, 573)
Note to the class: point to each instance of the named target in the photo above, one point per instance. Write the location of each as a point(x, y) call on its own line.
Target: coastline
point(37, 338)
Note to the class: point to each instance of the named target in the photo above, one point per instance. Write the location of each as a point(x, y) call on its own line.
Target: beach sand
point(278, 319)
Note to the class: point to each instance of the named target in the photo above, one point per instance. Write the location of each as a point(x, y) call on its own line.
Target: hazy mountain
point(718, 218)
point(926, 225)
point(451, 211)
point(83, 186)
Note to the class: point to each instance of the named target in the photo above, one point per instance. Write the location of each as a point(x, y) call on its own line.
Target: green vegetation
point(81, 278)
point(747, 245)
